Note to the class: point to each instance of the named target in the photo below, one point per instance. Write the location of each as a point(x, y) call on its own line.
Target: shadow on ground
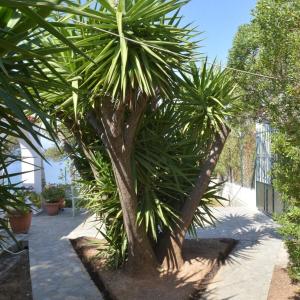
point(249, 229)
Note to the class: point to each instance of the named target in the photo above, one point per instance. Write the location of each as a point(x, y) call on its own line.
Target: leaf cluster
point(170, 147)
point(270, 45)
point(290, 230)
point(53, 193)
point(22, 78)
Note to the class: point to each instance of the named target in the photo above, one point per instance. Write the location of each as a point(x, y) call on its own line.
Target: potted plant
point(53, 196)
point(20, 217)
point(35, 199)
point(62, 196)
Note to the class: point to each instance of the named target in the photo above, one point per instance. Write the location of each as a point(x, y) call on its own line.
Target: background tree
point(270, 45)
point(237, 162)
point(286, 176)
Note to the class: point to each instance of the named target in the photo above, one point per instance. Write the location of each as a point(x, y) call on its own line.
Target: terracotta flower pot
point(20, 223)
point(52, 208)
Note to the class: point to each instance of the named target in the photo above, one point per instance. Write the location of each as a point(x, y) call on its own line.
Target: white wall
point(31, 165)
point(238, 195)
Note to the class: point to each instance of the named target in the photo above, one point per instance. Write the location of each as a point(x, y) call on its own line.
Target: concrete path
point(56, 271)
point(248, 272)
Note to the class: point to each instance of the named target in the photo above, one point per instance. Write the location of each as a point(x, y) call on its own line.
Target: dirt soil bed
point(281, 287)
point(203, 259)
point(15, 283)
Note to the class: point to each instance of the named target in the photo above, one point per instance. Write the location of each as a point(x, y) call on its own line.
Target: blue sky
point(219, 20)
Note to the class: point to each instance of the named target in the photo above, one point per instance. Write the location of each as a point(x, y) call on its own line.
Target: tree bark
point(141, 256)
point(118, 137)
point(169, 250)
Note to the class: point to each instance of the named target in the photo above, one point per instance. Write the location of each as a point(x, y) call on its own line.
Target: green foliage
point(53, 193)
point(186, 106)
point(270, 45)
point(119, 69)
point(290, 230)
point(8, 192)
point(237, 161)
point(17, 100)
point(54, 154)
point(9, 201)
point(35, 198)
point(229, 164)
point(176, 132)
point(101, 197)
point(285, 172)
point(20, 74)
point(286, 168)
point(20, 197)
point(171, 145)
point(22, 77)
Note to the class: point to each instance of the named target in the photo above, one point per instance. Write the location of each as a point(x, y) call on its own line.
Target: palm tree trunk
point(169, 250)
point(141, 256)
point(118, 137)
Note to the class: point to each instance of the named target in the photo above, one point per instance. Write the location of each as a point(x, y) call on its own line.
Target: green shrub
point(286, 168)
point(285, 172)
point(290, 231)
point(53, 193)
point(35, 199)
point(237, 161)
point(22, 208)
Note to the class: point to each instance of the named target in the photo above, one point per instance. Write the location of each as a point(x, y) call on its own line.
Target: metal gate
point(267, 199)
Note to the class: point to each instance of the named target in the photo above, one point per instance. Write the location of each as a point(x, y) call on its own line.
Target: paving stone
point(56, 271)
point(248, 271)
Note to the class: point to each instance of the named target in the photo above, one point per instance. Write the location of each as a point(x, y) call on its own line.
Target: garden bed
point(203, 259)
point(15, 282)
point(281, 287)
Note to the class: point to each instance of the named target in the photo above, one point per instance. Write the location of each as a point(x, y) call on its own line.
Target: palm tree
point(139, 58)
point(22, 78)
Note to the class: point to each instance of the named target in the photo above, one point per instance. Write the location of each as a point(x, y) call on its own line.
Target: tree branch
point(93, 121)
point(134, 120)
point(203, 180)
point(118, 119)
